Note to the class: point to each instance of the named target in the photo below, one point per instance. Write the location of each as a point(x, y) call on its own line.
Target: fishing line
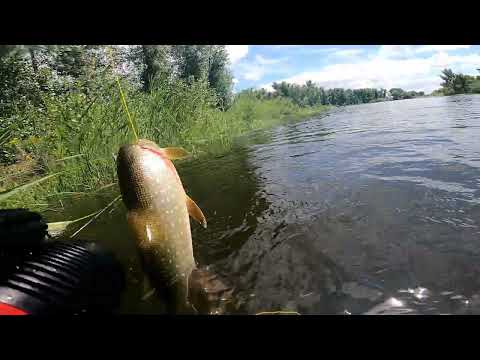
point(125, 106)
point(122, 96)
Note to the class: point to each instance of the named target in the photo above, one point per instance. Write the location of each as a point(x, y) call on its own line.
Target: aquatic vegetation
point(81, 134)
point(280, 312)
point(70, 108)
point(58, 228)
point(6, 194)
point(95, 216)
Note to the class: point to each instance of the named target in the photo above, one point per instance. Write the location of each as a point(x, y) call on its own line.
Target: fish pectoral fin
point(195, 212)
point(175, 153)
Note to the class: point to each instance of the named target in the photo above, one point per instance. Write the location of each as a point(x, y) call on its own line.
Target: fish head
point(144, 143)
point(142, 170)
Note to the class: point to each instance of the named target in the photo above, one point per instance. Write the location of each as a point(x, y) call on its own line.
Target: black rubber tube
point(62, 278)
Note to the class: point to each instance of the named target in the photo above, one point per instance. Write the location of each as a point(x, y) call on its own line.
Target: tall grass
point(80, 134)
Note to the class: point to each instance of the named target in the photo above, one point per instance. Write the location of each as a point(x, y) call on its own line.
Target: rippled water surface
point(370, 209)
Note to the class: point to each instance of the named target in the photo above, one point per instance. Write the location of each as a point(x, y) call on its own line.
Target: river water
point(370, 208)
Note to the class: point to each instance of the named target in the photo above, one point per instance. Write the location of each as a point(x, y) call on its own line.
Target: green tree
point(448, 78)
point(219, 75)
point(462, 84)
point(69, 60)
point(397, 93)
point(156, 63)
point(205, 62)
point(191, 61)
point(6, 50)
point(18, 86)
point(455, 83)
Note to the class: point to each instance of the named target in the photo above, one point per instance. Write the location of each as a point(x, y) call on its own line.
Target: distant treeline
point(458, 84)
point(311, 94)
point(62, 100)
point(70, 102)
point(28, 73)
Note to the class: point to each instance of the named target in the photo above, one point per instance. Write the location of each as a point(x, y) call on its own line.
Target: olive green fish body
point(157, 216)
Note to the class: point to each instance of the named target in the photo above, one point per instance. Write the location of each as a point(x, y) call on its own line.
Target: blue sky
point(411, 67)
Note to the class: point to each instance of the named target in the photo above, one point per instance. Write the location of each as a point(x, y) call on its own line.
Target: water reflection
point(373, 209)
point(354, 218)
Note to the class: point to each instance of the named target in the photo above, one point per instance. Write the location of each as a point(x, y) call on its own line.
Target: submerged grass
point(280, 312)
point(4, 195)
point(96, 216)
point(81, 134)
point(59, 227)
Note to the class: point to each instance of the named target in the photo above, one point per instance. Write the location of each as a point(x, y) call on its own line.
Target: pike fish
point(158, 210)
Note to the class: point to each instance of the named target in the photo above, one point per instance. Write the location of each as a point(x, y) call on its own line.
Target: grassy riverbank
point(78, 135)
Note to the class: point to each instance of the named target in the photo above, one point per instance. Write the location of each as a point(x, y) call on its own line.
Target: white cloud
point(267, 87)
point(264, 61)
point(387, 71)
point(408, 51)
point(304, 49)
point(236, 52)
point(307, 50)
point(284, 46)
point(348, 52)
point(235, 82)
point(257, 68)
point(428, 48)
point(253, 72)
point(396, 51)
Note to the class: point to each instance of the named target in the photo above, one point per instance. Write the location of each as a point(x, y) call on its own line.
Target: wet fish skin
point(158, 219)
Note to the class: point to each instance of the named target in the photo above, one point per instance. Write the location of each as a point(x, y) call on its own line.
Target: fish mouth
point(156, 152)
point(150, 146)
point(129, 147)
point(137, 148)
point(145, 145)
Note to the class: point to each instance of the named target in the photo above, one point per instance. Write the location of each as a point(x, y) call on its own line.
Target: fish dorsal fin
point(195, 212)
point(175, 153)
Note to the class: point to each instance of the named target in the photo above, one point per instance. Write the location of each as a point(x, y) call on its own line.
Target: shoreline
point(39, 197)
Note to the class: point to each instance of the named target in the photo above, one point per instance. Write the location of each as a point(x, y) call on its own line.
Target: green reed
point(81, 134)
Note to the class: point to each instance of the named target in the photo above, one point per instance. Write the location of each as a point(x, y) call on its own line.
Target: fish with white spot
point(165, 250)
